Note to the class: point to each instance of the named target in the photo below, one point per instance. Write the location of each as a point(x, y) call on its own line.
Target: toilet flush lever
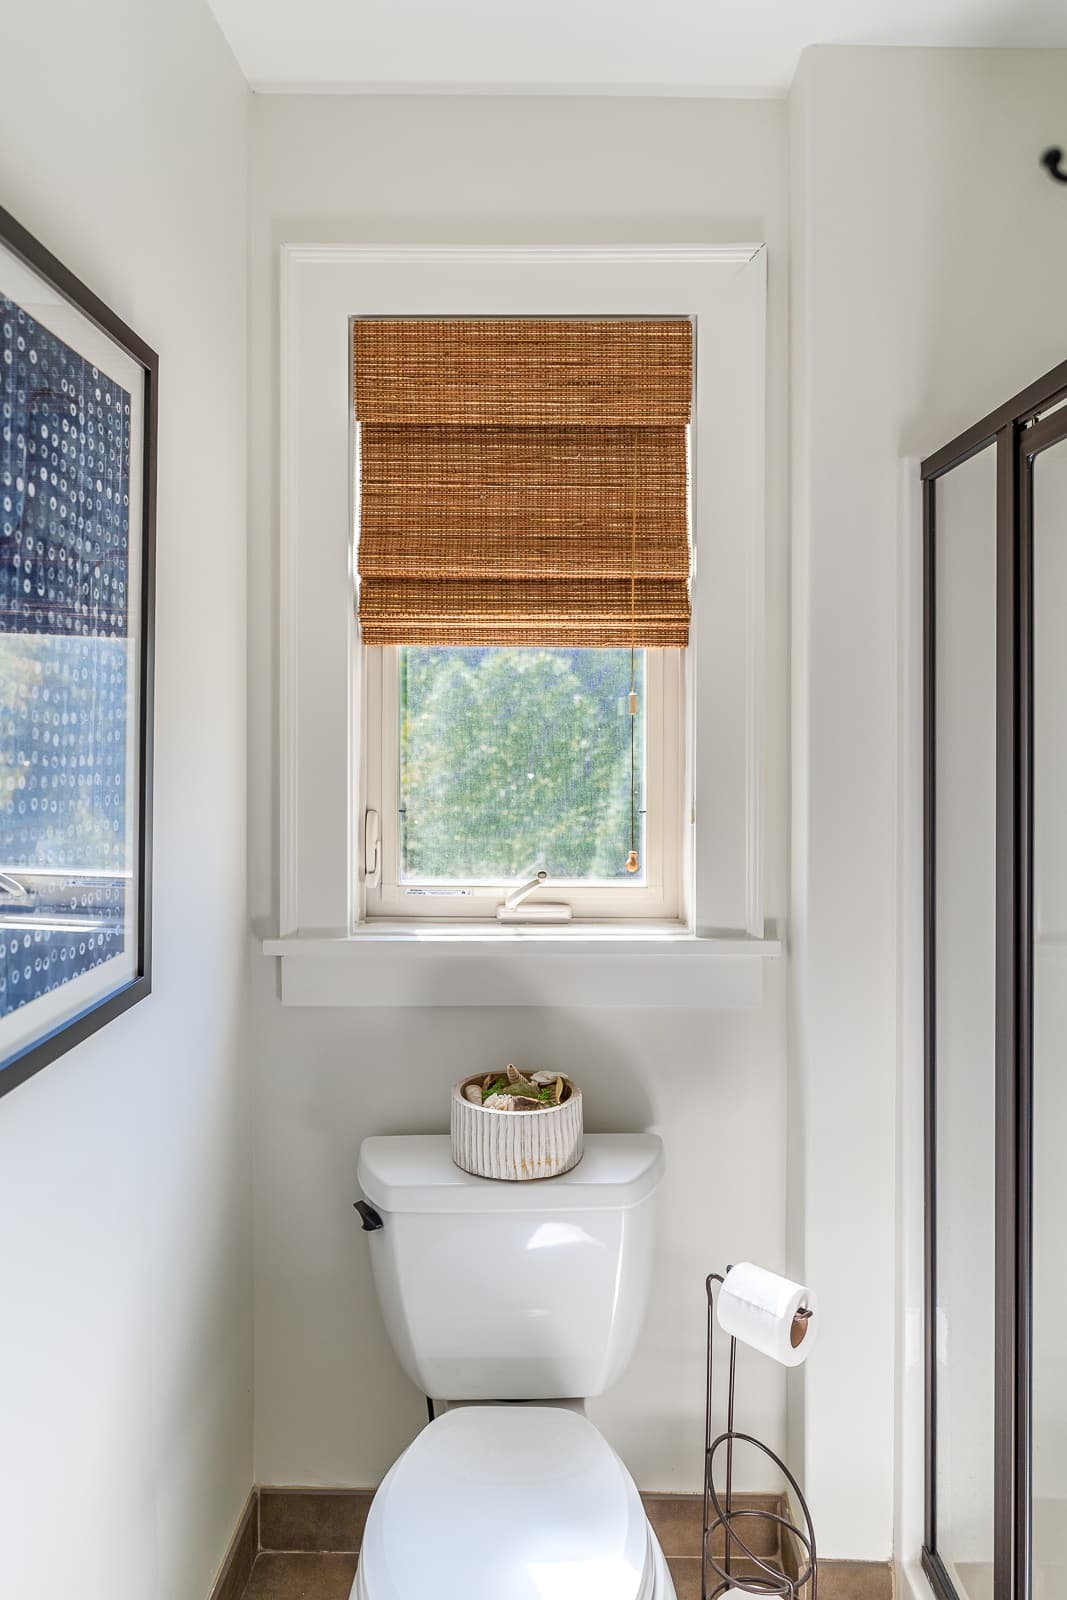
point(369, 1217)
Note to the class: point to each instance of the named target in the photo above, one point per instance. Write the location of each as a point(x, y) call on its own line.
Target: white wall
point(925, 289)
point(125, 1327)
point(331, 1404)
point(927, 248)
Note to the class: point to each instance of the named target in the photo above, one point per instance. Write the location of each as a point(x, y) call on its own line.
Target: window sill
point(483, 965)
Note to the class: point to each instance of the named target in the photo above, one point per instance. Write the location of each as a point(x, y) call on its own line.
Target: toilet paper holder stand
point(720, 1512)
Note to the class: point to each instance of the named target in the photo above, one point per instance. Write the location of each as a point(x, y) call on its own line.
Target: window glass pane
point(513, 760)
point(965, 1097)
point(1049, 1351)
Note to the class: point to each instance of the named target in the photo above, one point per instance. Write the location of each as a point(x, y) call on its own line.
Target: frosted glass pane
point(964, 856)
point(517, 760)
point(1050, 1026)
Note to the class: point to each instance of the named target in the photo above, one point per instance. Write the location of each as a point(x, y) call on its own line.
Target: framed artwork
point(77, 515)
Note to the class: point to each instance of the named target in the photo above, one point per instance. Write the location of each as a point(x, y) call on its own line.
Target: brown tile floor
point(289, 1575)
point(308, 1540)
point(309, 1535)
point(284, 1575)
point(685, 1570)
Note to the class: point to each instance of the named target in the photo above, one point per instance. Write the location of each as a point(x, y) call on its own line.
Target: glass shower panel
point(964, 952)
point(1049, 1352)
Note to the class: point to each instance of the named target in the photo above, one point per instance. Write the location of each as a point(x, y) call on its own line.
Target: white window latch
point(372, 851)
point(513, 909)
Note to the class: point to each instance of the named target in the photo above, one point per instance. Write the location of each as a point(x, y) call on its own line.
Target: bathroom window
point(486, 766)
point(523, 555)
point(348, 933)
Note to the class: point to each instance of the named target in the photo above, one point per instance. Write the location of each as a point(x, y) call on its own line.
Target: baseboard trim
point(238, 1561)
point(855, 1580)
point(294, 1519)
point(838, 1580)
point(678, 1522)
point(303, 1520)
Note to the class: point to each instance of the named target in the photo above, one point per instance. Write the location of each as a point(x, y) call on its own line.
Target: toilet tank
point(512, 1291)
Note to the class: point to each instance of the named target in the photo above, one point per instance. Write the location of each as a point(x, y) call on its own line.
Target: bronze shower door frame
point(1020, 430)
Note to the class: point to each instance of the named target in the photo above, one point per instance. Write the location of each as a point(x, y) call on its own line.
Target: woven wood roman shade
point(523, 482)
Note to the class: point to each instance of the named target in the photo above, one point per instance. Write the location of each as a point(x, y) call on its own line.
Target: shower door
point(995, 695)
point(1046, 492)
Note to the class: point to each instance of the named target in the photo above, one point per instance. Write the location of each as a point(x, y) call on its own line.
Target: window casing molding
point(322, 686)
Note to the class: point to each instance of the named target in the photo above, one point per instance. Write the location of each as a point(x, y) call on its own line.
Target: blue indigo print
point(64, 606)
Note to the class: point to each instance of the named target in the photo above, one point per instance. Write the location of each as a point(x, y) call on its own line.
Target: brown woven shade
point(500, 466)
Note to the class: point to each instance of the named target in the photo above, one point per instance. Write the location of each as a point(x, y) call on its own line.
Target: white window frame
point(379, 893)
point(327, 949)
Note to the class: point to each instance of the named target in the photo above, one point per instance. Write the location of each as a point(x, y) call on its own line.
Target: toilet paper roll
point(760, 1308)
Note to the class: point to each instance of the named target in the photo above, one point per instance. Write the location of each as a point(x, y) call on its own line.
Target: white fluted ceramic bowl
point(515, 1145)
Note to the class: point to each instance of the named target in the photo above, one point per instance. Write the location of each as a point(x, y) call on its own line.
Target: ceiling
point(593, 46)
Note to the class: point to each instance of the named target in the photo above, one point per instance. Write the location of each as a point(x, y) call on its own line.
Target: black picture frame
point(57, 1039)
point(1019, 431)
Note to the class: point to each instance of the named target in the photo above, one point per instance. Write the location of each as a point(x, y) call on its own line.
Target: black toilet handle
point(370, 1218)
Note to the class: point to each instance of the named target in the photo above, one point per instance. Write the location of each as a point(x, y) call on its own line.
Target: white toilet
point(497, 1293)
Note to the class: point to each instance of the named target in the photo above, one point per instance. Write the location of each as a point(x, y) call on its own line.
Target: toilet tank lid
point(415, 1172)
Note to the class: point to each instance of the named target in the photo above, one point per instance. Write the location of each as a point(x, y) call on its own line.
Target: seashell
point(521, 1102)
point(558, 1091)
point(489, 1080)
point(500, 1102)
point(542, 1079)
point(519, 1083)
point(513, 1072)
point(473, 1094)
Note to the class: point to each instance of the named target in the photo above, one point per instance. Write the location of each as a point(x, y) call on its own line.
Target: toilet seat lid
point(524, 1502)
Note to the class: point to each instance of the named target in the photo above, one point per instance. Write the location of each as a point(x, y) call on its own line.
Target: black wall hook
point(1052, 160)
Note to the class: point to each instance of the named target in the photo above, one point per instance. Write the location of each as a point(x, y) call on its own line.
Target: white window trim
point(320, 682)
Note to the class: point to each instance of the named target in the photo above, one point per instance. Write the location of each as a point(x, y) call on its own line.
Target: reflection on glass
point(964, 855)
point(1050, 1026)
point(63, 844)
point(513, 760)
